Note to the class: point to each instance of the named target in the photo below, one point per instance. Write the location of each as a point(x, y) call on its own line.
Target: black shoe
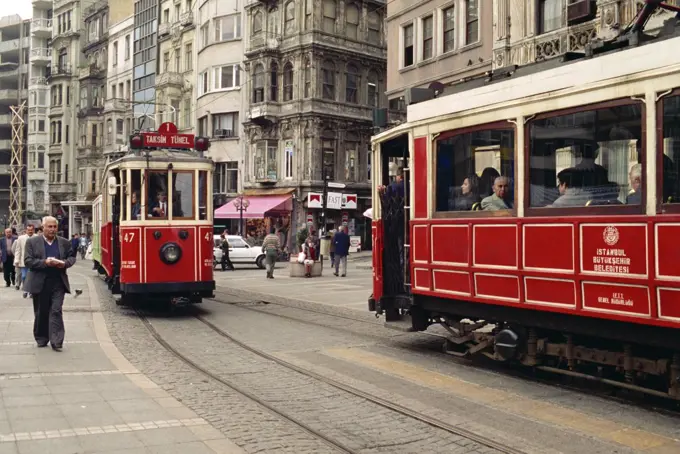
point(7, 284)
point(16, 287)
point(343, 275)
point(40, 345)
point(56, 348)
point(335, 274)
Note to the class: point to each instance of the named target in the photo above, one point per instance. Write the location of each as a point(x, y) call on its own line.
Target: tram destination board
point(167, 136)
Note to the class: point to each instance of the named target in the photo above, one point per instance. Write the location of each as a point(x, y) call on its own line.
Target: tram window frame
point(597, 210)
point(142, 206)
point(147, 187)
point(204, 192)
point(123, 195)
point(171, 198)
point(663, 207)
point(506, 125)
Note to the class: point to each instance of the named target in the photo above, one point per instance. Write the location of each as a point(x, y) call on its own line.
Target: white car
point(239, 251)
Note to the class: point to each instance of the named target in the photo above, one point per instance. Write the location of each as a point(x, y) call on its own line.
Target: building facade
point(221, 93)
point(315, 72)
point(14, 62)
point(144, 56)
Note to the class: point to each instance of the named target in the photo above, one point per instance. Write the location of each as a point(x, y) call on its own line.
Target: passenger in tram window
point(570, 185)
point(396, 189)
point(594, 175)
point(487, 181)
point(461, 198)
point(500, 199)
point(634, 197)
point(159, 208)
point(135, 209)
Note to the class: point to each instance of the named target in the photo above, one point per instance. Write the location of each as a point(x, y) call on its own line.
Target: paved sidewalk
point(87, 398)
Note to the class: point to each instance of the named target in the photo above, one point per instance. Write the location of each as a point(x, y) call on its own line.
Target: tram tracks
point(342, 387)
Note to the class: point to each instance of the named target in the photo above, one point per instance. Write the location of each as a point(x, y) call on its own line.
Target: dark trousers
point(8, 270)
point(226, 263)
point(48, 325)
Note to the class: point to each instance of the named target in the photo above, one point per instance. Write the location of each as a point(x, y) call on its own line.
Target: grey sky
point(21, 7)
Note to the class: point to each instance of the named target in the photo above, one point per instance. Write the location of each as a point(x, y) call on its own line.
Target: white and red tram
point(580, 274)
point(156, 219)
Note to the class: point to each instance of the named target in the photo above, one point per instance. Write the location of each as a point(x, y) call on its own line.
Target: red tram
point(156, 219)
point(539, 219)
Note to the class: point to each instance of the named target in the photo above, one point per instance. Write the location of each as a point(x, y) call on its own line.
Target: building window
point(549, 15)
point(178, 65)
point(328, 150)
point(288, 159)
point(274, 82)
point(258, 84)
point(265, 160)
point(289, 18)
point(109, 131)
point(59, 129)
point(449, 29)
point(225, 178)
point(328, 75)
point(119, 127)
point(309, 9)
point(41, 125)
point(93, 182)
point(288, 82)
point(352, 84)
point(41, 157)
point(227, 77)
point(352, 21)
point(114, 55)
point(66, 134)
point(374, 30)
point(472, 22)
point(127, 47)
point(203, 85)
point(62, 62)
point(329, 15)
point(350, 160)
point(408, 44)
point(428, 30)
point(189, 57)
point(372, 90)
point(166, 61)
point(308, 79)
point(225, 125)
point(228, 27)
point(203, 126)
point(273, 23)
point(204, 35)
point(257, 23)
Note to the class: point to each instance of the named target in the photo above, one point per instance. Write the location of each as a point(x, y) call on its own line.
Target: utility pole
point(324, 176)
point(17, 166)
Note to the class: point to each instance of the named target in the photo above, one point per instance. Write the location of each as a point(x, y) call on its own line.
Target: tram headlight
point(171, 253)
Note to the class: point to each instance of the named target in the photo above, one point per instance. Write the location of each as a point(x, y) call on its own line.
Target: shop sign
point(354, 244)
point(310, 219)
point(314, 200)
point(614, 250)
point(349, 201)
point(334, 200)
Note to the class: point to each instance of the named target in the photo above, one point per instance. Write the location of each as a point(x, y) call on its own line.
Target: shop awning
point(260, 206)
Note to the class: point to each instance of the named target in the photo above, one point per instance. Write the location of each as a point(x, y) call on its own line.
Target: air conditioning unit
point(223, 133)
point(580, 10)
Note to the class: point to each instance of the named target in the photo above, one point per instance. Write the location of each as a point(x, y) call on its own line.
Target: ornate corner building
point(315, 72)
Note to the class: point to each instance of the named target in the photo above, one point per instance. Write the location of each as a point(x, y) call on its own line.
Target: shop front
point(75, 217)
point(342, 209)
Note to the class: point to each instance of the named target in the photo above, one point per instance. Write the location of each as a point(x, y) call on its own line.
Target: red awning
point(259, 207)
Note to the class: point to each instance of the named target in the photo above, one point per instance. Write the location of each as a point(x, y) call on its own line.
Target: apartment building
point(38, 139)
point(221, 98)
point(435, 42)
point(315, 72)
point(14, 60)
point(144, 54)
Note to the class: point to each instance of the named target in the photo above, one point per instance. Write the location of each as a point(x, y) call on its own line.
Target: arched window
point(308, 79)
point(258, 84)
point(374, 30)
point(257, 22)
point(273, 23)
point(372, 96)
point(288, 82)
point(289, 17)
point(352, 79)
point(274, 82)
point(328, 76)
point(329, 15)
point(352, 19)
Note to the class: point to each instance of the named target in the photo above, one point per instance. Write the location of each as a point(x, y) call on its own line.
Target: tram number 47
point(207, 236)
point(129, 237)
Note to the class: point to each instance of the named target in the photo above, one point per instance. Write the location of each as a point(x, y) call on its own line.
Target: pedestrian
point(83, 245)
point(20, 256)
point(226, 263)
point(332, 248)
point(48, 256)
point(310, 256)
point(341, 241)
point(75, 242)
point(271, 246)
point(7, 257)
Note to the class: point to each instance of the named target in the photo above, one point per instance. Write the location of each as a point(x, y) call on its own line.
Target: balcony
point(262, 43)
point(8, 94)
point(90, 111)
point(37, 110)
point(164, 30)
point(36, 174)
point(116, 105)
point(60, 71)
point(41, 56)
point(186, 19)
point(41, 28)
point(38, 82)
point(170, 79)
point(42, 4)
point(264, 113)
point(13, 45)
point(91, 72)
point(62, 189)
point(90, 152)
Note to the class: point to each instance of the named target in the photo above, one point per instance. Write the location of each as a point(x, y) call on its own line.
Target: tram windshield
point(183, 195)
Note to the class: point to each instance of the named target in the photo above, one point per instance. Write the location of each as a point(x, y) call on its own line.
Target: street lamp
point(241, 204)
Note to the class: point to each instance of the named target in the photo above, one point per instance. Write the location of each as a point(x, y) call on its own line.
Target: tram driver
point(159, 208)
point(500, 199)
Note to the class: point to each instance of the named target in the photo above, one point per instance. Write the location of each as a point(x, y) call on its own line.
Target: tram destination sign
point(167, 136)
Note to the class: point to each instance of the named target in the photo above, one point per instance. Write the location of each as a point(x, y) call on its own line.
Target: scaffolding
point(16, 187)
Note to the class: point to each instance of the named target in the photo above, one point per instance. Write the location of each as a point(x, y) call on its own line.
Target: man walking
point(226, 263)
point(341, 241)
point(271, 247)
point(47, 257)
point(7, 257)
point(20, 256)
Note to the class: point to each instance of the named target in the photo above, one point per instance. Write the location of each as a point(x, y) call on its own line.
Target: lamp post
point(241, 204)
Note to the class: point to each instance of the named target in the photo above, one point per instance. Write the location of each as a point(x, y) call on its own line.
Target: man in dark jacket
point(7, 257)
point(341, 241)
point(47, 257)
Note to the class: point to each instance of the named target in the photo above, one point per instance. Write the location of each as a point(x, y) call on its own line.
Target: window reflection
point(671, 149)
point(183, 195)
point(475, 171)
point(589, 158)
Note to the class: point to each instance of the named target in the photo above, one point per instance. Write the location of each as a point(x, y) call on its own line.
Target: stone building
point(315, 72)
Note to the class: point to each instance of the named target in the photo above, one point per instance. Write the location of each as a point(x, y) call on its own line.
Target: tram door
point(115, 233)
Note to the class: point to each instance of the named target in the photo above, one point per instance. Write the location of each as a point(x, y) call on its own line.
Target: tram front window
point(183, 195)
point(135, 197)
point(202, 195)
point(157, 200)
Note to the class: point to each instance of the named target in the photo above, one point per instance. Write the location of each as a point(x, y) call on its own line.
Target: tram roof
point(159, 155)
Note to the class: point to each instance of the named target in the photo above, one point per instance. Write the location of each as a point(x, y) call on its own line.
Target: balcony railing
point(40, 81)
point(62, 188)
point(115, 104)
point(41, 27)
point(42, 4)
point(164, 29)
point(170, 79)
point(60, 71)
point(187, 18)
point(91, 71)
point(37, 110)
point(41, 54)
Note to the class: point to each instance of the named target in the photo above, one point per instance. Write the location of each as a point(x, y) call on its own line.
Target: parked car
point(239, 251)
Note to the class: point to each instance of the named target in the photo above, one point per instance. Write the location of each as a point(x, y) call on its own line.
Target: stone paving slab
point(87, 398)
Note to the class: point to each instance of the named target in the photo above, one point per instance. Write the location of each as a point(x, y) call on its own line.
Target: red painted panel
point(420, 243)
point(616, 298)
point(668, 250)
point(205, 262)
point(614, 249)
point(377, 259)
point(669, 303)
point(497, 286)
point(553, 292)
point(450, 244)
point(421, 279)
point(157, 270)
point(495, 245)
point(131, 255)
point(451, 281)
point(420, 177)
point(549, 246)
point(105, 242)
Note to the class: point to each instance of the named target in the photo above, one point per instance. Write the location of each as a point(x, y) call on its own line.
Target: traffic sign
point(332, 184)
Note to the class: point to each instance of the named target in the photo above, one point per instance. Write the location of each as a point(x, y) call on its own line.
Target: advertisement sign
point(349, 201)
point(354, 244)
point(614, 249)
point(310, 219)
point(334, 201)
point(340, 201)
point(314, 200)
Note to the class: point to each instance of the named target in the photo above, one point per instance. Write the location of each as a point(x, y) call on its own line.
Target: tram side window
point(123, 192)
point(135, 195)
point(157, 194)
point(183, 195)
point(671, 149)
point(587, 158)
point(202, 196)
point(476, 170)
